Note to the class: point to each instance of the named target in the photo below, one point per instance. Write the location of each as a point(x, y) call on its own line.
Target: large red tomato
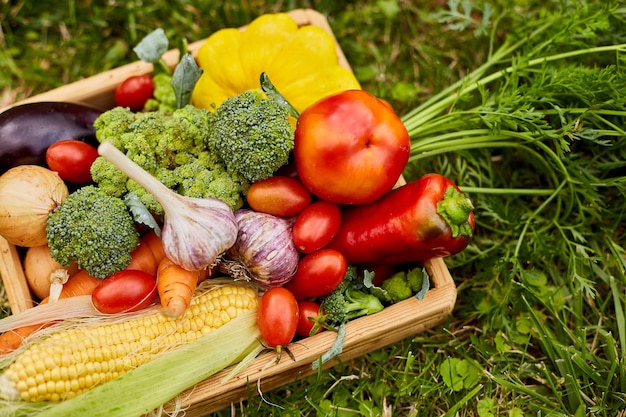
point(350, 147)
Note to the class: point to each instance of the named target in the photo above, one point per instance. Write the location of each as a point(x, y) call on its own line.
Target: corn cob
point(73, 360)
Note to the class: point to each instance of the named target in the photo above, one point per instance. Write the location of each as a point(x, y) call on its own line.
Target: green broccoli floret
point(108, 177)
point(252, 134)
point(113, 123)
point(348, 301)
point(173, 148)
point(164, 99)
point(93, 229)
point(398, 287)
point(194, 180)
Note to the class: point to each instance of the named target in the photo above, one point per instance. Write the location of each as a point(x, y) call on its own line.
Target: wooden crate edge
point(13, 278)
point(363, 335)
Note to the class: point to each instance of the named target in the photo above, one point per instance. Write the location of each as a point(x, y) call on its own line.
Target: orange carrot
point(148, 254)
point(175, 286)
point(80, 284)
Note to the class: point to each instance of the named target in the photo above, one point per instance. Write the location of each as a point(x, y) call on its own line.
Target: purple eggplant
point(27, 130)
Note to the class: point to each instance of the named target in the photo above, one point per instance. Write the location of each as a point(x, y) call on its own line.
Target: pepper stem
point(455, 208)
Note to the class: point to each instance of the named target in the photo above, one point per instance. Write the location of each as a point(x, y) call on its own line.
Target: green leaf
point(390, 8)
point(486, 407)
point(334, 350)
point(471, 374)
point(450, 374)
point(152, 46)
point(184, 79)
point(272, 92)
point(425, 285)
point(368, 409)
point(140, 212)
point(534, 278)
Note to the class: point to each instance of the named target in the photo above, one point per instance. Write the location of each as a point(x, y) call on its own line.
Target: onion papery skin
point(264, 251)
point(28, 193)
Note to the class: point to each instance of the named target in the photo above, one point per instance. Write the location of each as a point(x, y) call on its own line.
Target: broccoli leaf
point(272, 92)
point(381, 293)
point(334, 350)
point(152, 46)
point(184, 79)
point(140, 212)
point(425, 286)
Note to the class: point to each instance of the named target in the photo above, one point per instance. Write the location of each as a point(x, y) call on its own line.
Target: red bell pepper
point(424, 219)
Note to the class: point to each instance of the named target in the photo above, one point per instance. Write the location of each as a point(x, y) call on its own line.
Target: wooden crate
point(363, 335)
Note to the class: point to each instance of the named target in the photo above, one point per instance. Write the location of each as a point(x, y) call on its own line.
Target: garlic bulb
point(264, 250)
point(28, 194)
point(195, 230)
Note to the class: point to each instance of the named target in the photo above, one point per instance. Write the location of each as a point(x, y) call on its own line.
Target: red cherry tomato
point(308, 311)
point(134, 91)
point(318, 274)
point(278, 195)
point(350, 147)
point(72, 159)
point(277, 317)
point(124, 291)
point(316, 226)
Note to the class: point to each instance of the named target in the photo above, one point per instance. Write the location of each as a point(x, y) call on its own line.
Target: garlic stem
point(134, 171)
point(195, 230)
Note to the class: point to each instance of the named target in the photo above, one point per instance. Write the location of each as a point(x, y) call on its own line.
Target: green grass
point(539, 326)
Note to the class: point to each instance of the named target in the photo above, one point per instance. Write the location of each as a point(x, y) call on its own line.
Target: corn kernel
point(74, 360)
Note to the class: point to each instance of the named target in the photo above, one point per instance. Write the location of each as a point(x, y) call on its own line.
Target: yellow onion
point(28, 193)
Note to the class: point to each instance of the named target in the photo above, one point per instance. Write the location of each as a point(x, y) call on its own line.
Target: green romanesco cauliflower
point(403, 284)
point(398, 287)
point(173, 148)
point(94, 229)
point(252, 134)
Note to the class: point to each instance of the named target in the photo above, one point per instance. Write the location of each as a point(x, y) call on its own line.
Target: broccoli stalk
point(93, 229)
point(348, 301)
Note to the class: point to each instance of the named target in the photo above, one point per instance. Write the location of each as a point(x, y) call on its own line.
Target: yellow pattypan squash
point(301, 62)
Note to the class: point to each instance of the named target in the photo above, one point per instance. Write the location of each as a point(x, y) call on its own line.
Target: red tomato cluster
point(364, 141)
point(287, 310)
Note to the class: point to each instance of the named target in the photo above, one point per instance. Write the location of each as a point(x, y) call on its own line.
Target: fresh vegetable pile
point(299, 201)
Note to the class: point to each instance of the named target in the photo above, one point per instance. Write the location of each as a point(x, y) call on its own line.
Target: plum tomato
point(134, 91)
point(125, 291)
point(308, 311)
point(72, 160)
point(318, 274)
point(316, 226)
point(280, 196)
point(350, 147)
point(277, 317)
